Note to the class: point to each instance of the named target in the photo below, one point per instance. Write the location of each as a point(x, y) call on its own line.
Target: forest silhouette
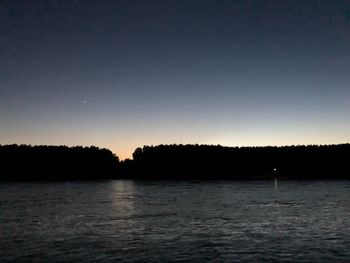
point(27, 163)
point(194, 162)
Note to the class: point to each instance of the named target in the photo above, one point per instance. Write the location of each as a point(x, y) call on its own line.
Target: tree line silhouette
point(24, 162)
point(218, 162)
point(27, 163)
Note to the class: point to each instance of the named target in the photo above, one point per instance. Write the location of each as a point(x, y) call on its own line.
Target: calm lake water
point(165, 221)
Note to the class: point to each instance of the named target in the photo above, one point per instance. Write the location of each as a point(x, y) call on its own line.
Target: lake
point(121, 220)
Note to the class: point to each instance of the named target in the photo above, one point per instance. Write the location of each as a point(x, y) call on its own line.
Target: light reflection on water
point(168, 220)
point(122, 195)
point(275, 184)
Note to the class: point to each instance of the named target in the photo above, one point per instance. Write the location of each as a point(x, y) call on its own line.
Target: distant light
point(274, 169)
point(85, 101)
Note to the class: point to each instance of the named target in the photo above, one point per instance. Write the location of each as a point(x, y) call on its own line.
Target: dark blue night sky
point(122, 74)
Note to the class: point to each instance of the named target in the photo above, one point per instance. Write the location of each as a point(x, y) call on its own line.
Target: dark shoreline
point(175, 162)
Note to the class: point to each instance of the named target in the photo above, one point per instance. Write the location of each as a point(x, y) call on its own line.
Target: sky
point(125, 73)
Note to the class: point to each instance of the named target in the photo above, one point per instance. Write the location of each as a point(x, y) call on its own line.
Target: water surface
point(175, 220)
